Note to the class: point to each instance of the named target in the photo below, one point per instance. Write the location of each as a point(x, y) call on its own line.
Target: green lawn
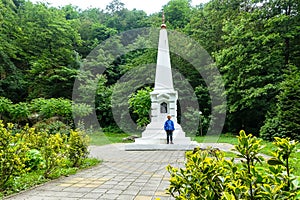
point(101, 138)
point(223, 138)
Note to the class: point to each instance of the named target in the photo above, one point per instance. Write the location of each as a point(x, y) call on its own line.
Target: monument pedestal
point(154, 138)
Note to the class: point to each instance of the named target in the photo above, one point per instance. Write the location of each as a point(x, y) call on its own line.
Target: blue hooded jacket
point(169, 125)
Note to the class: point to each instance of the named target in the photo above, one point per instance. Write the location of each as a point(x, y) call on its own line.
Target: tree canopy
point(254, 44)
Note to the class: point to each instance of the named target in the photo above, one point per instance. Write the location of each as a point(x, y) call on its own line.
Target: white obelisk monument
point(163, 102)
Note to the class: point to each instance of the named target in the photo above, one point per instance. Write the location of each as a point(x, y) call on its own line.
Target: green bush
point(12, 154)
point(140, 104)
point(53, 126)
point(77, 147)
point(64, 109)
point(40, 110)
point(34, 160)
point(208, 175)
point(54, 153)
point(27, 150)
point(19, 112)
point(48, 108)
point(5, 106)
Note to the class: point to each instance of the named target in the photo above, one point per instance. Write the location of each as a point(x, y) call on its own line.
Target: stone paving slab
point(122, 175)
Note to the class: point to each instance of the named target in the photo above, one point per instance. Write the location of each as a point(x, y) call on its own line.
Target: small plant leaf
point(275, 161)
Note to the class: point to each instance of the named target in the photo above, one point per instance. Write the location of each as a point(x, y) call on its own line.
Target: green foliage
point(177, 13)
point(81, 110)
point(12, 154)
point(61, 108)
point(5, 107)
point(34, 160)
point(208, 175)
point(193, 118)
point(255, 56)
point(43, 111)
point(48, 108)
point(54, 153)
point(255, 44)
point(26, 150)
point(122, 19)
point(20, 112)
point(140, 103)
point(282, 157)
point(53, 126)
point(284, 121)
point(77, 147)
point(52, 66)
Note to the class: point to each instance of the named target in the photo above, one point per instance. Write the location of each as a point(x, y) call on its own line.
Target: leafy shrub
point(34, 160)
point(208, 175)
point(5, 106)
point(19, 112)
point(140, 103)
point(26, 150)
point(77, 147)
point(54, 153)
point(41, 109)
point(53, 126)
point(48, 108)
point(61, 108)
point(12, 154)
point(35, 139)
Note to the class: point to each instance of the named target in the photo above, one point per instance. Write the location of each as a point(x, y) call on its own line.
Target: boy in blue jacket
point(169, 128)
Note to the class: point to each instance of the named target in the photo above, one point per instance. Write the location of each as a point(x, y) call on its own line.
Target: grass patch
point(100, 138)
point(223, 138)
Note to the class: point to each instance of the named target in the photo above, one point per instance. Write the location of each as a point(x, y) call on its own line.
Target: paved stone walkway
point(132, 175)
point(138, 175)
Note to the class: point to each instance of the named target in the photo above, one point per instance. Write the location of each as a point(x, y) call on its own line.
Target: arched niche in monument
point(163, 107)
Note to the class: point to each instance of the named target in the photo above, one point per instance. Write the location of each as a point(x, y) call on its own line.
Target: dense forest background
point(255, 45)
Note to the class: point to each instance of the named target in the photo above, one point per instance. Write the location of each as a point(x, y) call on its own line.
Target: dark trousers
point(169, 136)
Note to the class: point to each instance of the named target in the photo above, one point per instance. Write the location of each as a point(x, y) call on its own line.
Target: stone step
point(160, 147)
point(162, 140)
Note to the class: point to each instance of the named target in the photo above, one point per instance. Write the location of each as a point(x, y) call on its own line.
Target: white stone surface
point(163, 75)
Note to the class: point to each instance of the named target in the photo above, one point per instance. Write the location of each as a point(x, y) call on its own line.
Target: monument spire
point(163, 76)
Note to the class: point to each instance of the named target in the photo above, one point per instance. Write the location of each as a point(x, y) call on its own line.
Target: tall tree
point(115, 6)
point(13, 84)
point(47, 40)
point(253, 63)
point(177, 13)
point(284, 119)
